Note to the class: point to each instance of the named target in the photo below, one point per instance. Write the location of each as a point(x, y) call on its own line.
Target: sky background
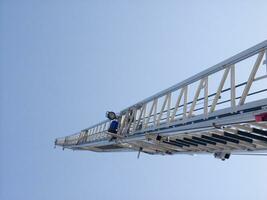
point(64, 63)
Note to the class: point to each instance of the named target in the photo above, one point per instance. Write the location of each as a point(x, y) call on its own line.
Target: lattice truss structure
point(221, 110)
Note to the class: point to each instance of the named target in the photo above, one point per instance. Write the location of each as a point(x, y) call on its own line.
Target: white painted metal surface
point(211, 112)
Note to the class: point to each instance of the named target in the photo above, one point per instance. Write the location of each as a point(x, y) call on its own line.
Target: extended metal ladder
point(221, 110)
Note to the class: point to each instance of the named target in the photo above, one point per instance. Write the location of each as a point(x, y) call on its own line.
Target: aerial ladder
point(221, 111)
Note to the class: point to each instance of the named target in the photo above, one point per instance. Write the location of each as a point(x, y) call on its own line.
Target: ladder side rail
point(218, 67)
point(203, 84)
point(130, 122)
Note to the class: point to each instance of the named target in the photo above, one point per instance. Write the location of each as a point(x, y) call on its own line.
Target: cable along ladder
point(221, 110)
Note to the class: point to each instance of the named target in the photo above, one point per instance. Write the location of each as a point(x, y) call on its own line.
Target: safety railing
point(93, 133)
point(229, 84)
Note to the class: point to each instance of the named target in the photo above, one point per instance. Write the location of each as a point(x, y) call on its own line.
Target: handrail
point(148, 113)
point(218, 67)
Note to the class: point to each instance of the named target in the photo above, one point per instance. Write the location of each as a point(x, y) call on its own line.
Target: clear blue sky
point(64, 63)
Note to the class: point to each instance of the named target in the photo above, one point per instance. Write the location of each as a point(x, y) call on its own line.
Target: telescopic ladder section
point(222, 110)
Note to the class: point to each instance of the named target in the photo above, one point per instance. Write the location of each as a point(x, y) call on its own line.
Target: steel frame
point(172, 111)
